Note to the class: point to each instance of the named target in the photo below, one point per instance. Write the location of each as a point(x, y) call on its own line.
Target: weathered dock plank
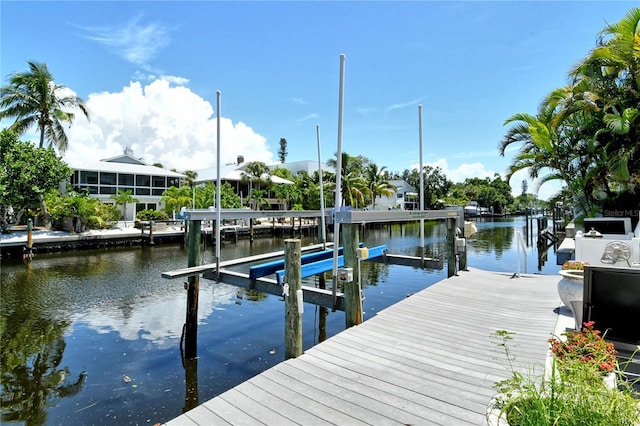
point(429, 359)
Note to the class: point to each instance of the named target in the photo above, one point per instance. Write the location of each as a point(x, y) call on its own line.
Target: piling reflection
point(191, 398)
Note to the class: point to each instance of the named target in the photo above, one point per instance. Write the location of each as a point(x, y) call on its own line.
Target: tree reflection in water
point(31, 352)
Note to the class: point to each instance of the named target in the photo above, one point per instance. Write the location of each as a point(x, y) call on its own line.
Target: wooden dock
point(429, 359)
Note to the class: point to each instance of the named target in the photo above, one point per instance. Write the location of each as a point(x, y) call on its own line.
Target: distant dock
point(12, 244)
point(429, 359)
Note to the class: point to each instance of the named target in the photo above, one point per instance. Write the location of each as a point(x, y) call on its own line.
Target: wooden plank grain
point(429, 359)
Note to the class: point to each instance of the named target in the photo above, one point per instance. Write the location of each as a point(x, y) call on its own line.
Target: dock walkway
point(429, 359)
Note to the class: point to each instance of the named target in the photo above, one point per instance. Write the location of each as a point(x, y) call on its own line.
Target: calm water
point(94, 337)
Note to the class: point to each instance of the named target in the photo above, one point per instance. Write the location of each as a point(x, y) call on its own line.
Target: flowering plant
point(585, 346)
point(574, 391)
point(575, 265)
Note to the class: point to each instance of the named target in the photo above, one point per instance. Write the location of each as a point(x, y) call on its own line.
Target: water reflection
point(31, 353)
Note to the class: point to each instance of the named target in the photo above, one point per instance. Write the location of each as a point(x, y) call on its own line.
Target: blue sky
point(150, 71)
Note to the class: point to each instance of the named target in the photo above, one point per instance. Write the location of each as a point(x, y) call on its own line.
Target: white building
point(104, 178)
point(405, 197)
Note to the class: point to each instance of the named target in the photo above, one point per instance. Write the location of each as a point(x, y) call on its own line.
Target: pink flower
point(586, 346)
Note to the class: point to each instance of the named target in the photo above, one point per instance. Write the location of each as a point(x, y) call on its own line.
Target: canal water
point(93, 337)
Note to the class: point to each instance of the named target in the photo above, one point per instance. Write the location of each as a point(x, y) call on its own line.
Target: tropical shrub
point(151, 215)
point(573, 393)
point(88, 211)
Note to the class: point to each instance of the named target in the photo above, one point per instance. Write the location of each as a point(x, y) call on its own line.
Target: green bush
point(151, 215)
point(91, 212)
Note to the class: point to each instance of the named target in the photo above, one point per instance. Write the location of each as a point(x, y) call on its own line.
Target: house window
point(143, 180)
point(143, 191)
point(399, 195)
point(156, 191)
point(108, 190)
point(173, 181)
point(125, 180)
point(159, 182)
point(107, 178)
point(89, 178)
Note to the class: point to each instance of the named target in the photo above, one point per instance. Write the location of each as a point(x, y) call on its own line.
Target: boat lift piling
point(294, 267)
point(293, 299)
point(190, 332)
point(28, 250)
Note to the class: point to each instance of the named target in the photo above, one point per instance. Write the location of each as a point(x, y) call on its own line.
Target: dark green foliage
point(151, 215)
point(282, 151)
point(27, 173)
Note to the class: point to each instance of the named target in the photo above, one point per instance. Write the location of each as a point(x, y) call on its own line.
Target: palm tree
point(612, 74)
point(586, 134)
point(122, 198)
point(256, 171)
point(176, 198)
point(353, 186)
point(32, 98)
point(191, 183)
point(378, 183)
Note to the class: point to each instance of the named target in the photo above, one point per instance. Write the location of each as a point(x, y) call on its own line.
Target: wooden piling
point(352, 291)
point(28, 254)
point(293, 299)
point(451, 247)
point(191, 323)
point(322, 311)
point(151, 233)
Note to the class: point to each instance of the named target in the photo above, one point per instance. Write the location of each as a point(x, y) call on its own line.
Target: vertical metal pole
point(338, 199)
point(191, 324)
point(293, 298)
point(218, 187)
point(421, 186)
point(323, 234)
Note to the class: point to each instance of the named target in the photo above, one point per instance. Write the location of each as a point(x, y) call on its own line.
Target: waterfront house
point(235, 175)
point(406, 197)
point(104, 178)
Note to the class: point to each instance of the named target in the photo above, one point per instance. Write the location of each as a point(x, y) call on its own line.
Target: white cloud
point(162, 124)
point(404, 105)
point(306, 118)
point(134, 42)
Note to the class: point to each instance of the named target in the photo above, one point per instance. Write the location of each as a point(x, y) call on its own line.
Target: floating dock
point(429, 359)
